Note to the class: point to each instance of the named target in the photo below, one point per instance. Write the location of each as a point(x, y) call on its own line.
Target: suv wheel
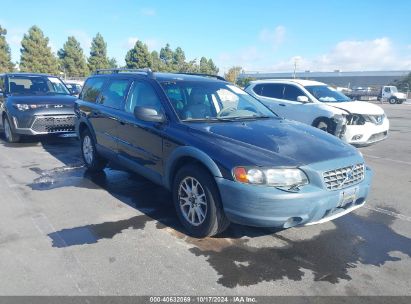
point(93, 161)
point(322, 125)
point(392, 100)
point(198, 203)
point(11, 137)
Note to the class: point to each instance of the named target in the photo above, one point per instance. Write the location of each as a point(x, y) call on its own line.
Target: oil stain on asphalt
point(329, 256)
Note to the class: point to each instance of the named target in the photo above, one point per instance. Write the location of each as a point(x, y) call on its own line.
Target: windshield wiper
point(237, 118)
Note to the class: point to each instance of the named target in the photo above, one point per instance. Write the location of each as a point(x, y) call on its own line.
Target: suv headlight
point(25, 107)
point(275, 177)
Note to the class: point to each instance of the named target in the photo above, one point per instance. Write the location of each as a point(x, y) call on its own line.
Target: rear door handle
point(282, 105)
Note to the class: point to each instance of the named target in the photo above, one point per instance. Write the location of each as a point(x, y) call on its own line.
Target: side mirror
point(303, 99)
point(148, 114)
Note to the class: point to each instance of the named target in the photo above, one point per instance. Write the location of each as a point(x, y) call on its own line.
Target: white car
point(317, 104)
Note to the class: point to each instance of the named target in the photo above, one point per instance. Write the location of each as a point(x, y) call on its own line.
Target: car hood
point(358, 107)
point(65, 100)
point(275, 142)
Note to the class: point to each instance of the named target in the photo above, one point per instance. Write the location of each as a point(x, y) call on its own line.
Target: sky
point(259, 35)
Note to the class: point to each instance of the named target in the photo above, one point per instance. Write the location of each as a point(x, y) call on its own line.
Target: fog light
point(357, 137)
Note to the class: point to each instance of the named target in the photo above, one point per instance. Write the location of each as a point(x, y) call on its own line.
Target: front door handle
point(282, 105)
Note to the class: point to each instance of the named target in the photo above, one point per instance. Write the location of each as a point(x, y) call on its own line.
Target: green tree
point(404, 84)
point(232, 74)
point(179, 59)
point(112, 63)
point(72, 58)
point(157, 64)
point(243, 82)
point(98, 54)
point(36, 55)
point(204, 66)
point(212, 67)
point(167, 56)
point(139, 57)
point(5, 55)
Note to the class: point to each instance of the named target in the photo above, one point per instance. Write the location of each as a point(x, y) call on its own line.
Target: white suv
point(314, 103)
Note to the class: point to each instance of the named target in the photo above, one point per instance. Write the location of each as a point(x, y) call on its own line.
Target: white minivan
point(356, 122)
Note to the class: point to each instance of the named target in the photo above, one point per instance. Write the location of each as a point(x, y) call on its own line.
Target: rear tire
point(198, 203)
point(11, 137)
point(93, 161)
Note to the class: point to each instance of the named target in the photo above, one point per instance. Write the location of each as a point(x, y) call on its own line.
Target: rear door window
point(273, 90)
point(114, 93)
point(92, 89)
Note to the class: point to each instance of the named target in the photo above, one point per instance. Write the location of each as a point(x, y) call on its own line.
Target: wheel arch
point(186, 155)
point(319, 119)
point(84, 125)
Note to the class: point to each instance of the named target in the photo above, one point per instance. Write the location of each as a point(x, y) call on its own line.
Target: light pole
point(295, 67)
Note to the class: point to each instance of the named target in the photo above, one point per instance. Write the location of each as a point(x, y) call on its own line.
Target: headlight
point(25, 107)
point(282, 178)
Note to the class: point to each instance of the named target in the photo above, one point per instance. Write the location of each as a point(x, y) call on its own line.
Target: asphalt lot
point(65, 232)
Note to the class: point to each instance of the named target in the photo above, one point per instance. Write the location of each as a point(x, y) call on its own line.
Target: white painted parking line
point(388, 159)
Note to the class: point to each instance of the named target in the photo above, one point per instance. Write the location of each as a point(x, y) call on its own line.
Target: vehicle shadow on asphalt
point(330, 255)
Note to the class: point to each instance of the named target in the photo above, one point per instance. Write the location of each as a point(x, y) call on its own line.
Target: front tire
point(93, 161)
point(11, 137)
point(322, 125)
point(198, 203)
point(392, 101)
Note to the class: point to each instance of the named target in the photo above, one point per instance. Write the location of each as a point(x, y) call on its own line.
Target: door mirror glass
point(302, 99)
point(148, 114)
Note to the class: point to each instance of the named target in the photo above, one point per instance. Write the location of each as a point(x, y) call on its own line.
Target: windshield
point(213, 101)
point(394, 90)
point(36, 85)
point(327, 94)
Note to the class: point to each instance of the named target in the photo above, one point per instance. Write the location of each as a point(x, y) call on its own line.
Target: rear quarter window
point(92, 89)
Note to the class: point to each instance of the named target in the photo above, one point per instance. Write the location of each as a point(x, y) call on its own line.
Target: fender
point(87, 123)
point(185, 151)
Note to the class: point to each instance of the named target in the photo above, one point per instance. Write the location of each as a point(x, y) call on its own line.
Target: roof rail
point(205, 75)
point(148, 72)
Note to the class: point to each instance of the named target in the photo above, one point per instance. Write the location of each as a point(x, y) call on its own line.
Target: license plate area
point(348, 197)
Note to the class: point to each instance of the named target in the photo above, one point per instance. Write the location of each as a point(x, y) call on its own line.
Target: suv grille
point(53, 124)
point(344, 177)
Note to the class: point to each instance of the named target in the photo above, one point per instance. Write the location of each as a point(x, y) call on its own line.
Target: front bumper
point(44, 124)
point(367, 134)
point(263, 206)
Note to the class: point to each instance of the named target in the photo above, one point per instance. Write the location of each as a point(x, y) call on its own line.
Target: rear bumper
point(262, 206)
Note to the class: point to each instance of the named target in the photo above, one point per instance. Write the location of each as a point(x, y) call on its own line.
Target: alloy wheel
point(88, 150)
point(193, 201)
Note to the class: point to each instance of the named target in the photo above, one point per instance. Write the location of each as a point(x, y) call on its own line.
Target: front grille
point(53, 124)
point(344, 177)
point(378, 136)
